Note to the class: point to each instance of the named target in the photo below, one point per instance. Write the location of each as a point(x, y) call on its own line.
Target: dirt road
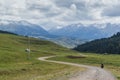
point(92, 73)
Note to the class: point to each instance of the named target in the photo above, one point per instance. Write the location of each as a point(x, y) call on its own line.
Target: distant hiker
point(102, 65)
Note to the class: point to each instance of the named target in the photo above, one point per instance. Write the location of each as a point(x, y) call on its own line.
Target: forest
point(109, 45)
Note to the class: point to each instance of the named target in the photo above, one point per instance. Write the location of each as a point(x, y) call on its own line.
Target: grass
point(14, 63)
point(111, 62)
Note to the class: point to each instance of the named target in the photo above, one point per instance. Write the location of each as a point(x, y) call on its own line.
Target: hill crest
point(104, 45)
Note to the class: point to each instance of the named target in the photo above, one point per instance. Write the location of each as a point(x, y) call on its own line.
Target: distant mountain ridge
point(89, 32)
point(23, 28)
point(105, 45)
point(27, 29)
point(5, 32)
point(68, 36)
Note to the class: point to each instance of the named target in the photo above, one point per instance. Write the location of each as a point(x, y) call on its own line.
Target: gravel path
point(92, 73)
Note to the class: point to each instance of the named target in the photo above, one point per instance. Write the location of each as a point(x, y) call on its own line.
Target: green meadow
point(15, 64)
point(111, 62)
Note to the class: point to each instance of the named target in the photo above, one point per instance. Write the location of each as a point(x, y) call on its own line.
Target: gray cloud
point(52, 13)
point(113, 11)
point(63, 3)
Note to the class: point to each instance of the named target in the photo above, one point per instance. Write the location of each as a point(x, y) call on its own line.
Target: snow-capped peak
point(2, 22)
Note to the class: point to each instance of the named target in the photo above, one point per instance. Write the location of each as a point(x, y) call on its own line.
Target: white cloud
point(52, 13)
point(112, 11)
point(73, 7)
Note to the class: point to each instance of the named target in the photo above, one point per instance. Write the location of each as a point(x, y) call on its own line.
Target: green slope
point(14, 64)
point(105, 45)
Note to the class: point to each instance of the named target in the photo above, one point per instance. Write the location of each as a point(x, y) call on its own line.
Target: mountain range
point(27, 29)
point(68, 36)
point(88, 32)
point(23, 28)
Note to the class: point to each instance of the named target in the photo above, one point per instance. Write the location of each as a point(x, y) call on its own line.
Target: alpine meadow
point(59, 40)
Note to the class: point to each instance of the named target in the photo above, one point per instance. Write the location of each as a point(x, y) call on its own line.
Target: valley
point(59, 39)
point(68, 36)
point(14, 64)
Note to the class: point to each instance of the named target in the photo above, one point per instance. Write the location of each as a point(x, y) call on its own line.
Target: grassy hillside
point(14, 63)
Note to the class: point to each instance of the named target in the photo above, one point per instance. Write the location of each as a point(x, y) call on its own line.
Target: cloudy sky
point(56, 13)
